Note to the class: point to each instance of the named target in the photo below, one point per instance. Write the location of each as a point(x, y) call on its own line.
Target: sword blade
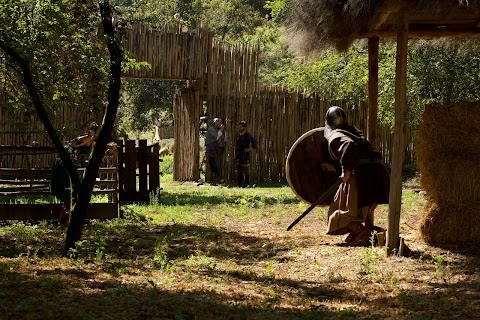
point(332, 188)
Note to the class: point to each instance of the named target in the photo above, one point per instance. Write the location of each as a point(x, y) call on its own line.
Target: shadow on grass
point(134, 240)
point(87, 294)
point(50, 296)
point(58, 294)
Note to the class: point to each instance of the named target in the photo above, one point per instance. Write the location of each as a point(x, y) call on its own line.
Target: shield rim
point(287, 165)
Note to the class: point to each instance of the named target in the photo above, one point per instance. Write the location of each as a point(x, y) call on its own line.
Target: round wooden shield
point(304, 173)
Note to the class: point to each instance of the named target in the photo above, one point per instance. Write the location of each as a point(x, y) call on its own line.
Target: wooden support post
point(372, 135)
point(131, 168)
point(154, 168)
point(121, 168)
point(399, 136)
point(202, 90)
point(372, 126)
point(143, 156)
point(115, 178)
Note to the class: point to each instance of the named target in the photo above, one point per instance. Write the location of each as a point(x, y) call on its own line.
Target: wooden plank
point(104, 170)
point(17, 188)
point(372, 135)
point(103, 211)
point(29, 182)
point(399, 137)
point(130, 167)
point(428, 33)
point(25, 193)
point(121, 165)
point(22, 172)
point(154, 169)
point(143, 157)
point(38, 211)
point(28, 149)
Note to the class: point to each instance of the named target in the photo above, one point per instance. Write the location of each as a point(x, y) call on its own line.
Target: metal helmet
point(334, 118)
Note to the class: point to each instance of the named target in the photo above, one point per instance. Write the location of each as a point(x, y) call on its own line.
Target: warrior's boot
point(359, 232)
point(350, 237)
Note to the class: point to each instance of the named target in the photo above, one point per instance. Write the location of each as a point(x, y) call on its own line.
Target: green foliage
point(229, 20)
point(369, 259)
point(146, 103)
point(160, 256)
point(436, 74)
point(65, 50)
point(278, 9)
point(409, 171)
point(442, 269)
point(226, 19)
point(166, 165)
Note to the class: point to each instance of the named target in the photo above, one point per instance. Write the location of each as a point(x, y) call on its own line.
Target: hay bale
point(451, 179)
point(451, 223)
point(448, 159)
point(451, 130)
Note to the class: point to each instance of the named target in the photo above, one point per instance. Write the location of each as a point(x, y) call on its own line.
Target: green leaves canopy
point(61, 41)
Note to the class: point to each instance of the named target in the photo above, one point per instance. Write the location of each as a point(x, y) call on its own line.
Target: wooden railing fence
point(19, 183)
point(20, 129)
point(139, 170)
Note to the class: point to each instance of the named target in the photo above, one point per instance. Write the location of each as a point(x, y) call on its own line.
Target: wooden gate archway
point(228, 74)
point(186, 116)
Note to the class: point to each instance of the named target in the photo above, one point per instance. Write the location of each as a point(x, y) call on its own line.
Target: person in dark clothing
point(365, 180)
point(244, 144)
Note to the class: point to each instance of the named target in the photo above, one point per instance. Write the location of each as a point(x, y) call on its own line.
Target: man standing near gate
point(215, 144)
point(244, 144)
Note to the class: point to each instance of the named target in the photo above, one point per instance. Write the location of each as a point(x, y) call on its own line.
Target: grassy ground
point(210, 252)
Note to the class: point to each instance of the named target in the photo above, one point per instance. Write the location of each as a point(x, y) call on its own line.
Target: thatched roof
point(315, 24)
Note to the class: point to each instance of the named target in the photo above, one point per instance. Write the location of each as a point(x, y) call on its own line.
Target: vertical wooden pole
point(121, 169)
point(154, 169)
point(131, 169)
point(115, 178)
point(372, 125)
point(373, 91)
point(399, 136)
point(202, 90)
point(143, 157)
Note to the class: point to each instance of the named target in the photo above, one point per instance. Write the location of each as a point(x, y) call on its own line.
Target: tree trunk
point(26, 73)
point(77, 222)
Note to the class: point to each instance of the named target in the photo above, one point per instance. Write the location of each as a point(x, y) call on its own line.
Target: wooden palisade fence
point(229, 73)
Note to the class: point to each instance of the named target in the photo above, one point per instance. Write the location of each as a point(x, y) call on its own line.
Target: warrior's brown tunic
point(368, 185)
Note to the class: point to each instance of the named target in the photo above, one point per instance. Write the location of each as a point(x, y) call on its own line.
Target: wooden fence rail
point(139, 170)
point(18, 183)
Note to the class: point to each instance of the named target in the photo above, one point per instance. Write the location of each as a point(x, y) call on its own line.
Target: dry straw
point(316, 24)
point(448, 158)
point(451, 223)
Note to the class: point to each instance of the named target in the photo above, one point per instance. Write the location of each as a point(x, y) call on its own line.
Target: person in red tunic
point(365, 179)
